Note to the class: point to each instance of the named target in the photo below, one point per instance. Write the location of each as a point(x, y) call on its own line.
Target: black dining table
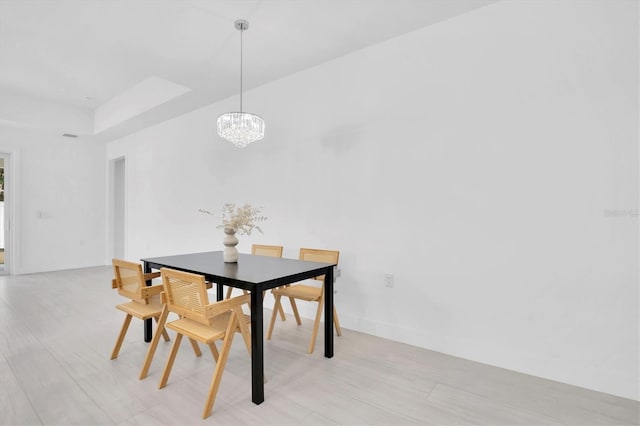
point(255, 274)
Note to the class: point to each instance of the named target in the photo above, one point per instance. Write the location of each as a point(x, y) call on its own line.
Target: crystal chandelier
point(240, 128)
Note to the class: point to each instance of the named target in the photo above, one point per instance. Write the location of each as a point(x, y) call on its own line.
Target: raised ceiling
point(83, 53)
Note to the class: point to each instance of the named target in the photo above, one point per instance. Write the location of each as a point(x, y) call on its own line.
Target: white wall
point(60, 195)
point(479, 160)
point(18, 110)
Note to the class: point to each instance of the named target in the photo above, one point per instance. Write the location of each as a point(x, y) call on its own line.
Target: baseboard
point(556, 369)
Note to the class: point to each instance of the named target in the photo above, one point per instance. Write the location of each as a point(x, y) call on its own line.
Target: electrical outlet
point(388, 280)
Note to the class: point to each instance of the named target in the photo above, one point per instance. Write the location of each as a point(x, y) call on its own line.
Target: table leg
point(257, 349)
point(219, 292)
point(147, 323)
point(328, 313)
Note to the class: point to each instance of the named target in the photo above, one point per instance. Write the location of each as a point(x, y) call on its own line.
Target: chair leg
point(246, 333)
point(244, 329)
point(316, 325)
point(196, 348)
point(154, 342)
point(217, 374)
point(276, 306)
point(294, 308)
point(264, 293)
point(336, 322)
point(170, 360)
point(214, 350)
point(123, 332)
point(280, 310)
point(165, 335)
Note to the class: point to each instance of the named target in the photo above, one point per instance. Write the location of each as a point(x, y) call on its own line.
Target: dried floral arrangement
point(243, 219)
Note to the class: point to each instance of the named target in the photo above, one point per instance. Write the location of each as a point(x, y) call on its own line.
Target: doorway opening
point(118, 175)
point(5, 213)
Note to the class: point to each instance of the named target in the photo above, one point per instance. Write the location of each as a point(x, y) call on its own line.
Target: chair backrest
point(266, 250)
point(129, 278)
point(318, 255)
point(185, 294)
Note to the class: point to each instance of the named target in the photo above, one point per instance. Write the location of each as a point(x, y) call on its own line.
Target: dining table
point(255, 274)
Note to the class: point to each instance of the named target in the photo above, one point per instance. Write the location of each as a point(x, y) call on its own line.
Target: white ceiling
point(82, 53)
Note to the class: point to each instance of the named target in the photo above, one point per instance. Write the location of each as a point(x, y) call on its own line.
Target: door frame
point(10, 208)
point(112, 226)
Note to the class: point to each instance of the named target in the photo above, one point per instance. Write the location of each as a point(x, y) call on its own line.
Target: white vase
point(230, 242)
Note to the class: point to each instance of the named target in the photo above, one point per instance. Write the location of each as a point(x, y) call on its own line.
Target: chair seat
point(300, 291)
point(201, 332)
point(142, 311)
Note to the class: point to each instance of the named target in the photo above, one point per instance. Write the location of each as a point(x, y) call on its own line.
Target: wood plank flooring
point(57, 330)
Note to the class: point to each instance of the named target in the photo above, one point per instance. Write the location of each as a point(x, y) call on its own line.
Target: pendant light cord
point(241, 31)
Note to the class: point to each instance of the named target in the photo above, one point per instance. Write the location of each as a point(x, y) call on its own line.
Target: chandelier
point(240, 128)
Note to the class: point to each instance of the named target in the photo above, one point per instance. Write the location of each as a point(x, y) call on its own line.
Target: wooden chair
point(145, 301)
point(266, 250)
point(307, 293)
point(186, 295)
point(145, 304)
point(263, 250)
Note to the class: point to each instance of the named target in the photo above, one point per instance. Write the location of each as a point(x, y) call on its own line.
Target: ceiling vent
point(69, 135)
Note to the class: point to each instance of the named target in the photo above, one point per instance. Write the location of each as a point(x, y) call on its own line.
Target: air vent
point(69, 135)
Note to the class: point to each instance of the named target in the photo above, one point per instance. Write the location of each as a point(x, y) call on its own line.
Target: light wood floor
point(57, 331)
